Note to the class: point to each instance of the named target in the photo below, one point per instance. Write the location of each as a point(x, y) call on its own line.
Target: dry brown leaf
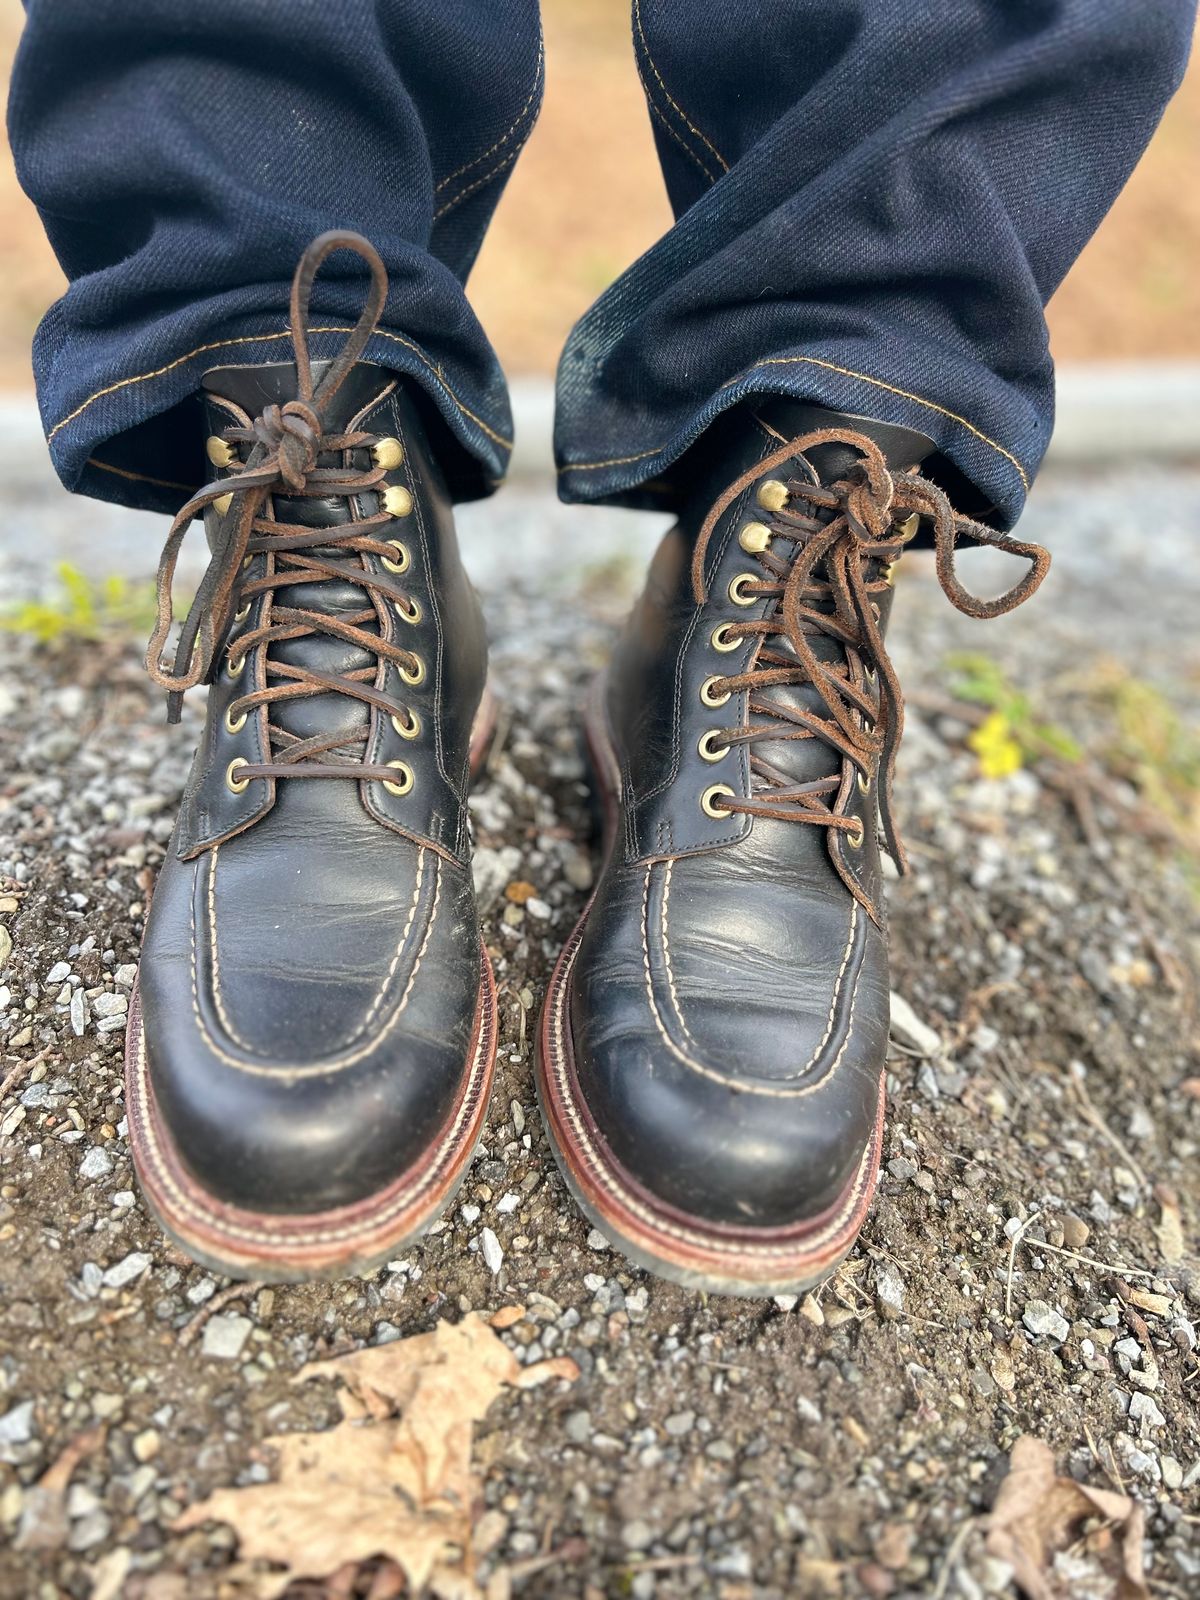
point(1154, 1305)
point(1037, 1514)
point(393, 1478)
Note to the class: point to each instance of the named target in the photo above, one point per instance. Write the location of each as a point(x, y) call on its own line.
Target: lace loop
point(838, 533)
point(286, 443)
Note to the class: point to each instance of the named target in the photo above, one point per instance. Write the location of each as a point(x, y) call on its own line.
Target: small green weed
point(84, 610)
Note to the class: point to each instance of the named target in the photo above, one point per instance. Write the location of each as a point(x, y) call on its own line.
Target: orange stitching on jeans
point(678, 109)
point(479, 183)
point(139, 477)
point(678, 138)
point(504, 138)
point(267, 338)
point(831, 366)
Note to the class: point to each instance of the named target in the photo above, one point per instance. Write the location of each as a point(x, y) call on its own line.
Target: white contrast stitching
point(740, 1084)
point(289, 1073)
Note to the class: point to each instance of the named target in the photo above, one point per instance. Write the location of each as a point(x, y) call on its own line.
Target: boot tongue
point(805, 760)
point(252, 389)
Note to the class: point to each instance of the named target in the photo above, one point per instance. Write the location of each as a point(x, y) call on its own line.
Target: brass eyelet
point(709, 749)
point(708, 800)
point(236, 666)
point(888, 575)
point(236, 785)
point(870, 674)
point(414, 675)
point(409, 729)
point(864, 784)
point(411, 613)
point(242, 612)
point(772, 495)
point(235, 724)
point(907, 529)
point(247, 562)
point(403, 560)
point(387, 453)
point(405, 781)
point(737, 589)
point(854, 837)
point(710, 696)
point(222, 504)
point(219, 451)
point(396, 500)
point(721, 639)
point(875, 611)
point(754, 537)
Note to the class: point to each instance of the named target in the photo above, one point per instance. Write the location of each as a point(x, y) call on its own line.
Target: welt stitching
point(504, 137)
point(831, 366)
point(267, 338)
point(679, 111)
point(323, 1069)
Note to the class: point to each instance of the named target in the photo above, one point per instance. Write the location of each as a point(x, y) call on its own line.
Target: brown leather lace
point(825, 566)
point(286, 444)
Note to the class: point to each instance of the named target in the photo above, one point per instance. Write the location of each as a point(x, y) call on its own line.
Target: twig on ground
point(235, 1291)
point(14, 1076)
point(946, 1571)
point(1087, 1106)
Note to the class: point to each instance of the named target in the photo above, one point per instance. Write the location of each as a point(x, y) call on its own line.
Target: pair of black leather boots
point(312, 1039)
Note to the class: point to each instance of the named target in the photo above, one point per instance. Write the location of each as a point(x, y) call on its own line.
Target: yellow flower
point(998, 751)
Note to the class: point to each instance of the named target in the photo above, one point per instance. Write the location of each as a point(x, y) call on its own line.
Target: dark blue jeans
point(874, 201)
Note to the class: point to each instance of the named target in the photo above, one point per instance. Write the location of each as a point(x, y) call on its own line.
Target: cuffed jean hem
point(997, 458)
point(120, 444)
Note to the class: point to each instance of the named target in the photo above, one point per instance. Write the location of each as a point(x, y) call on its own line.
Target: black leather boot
point(712, 1047)
point(312, 1038)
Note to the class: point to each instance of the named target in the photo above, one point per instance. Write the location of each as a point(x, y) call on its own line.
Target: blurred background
point(580, 208)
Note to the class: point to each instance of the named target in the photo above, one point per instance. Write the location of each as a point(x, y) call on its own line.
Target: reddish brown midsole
point(319, 1241)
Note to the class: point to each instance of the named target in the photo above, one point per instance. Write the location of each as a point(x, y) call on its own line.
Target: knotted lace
point(286, 443)
point(826, 567)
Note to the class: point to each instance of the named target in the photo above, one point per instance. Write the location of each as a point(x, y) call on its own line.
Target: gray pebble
point(225, 1336)
point(124, 1272)
point(1041, 1318)
point(97, 1163)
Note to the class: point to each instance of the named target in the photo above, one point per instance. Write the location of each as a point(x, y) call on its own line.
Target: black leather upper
point(729, 1002)
point(311, 969)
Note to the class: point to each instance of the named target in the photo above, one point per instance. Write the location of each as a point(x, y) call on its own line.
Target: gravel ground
point(1043, 1105)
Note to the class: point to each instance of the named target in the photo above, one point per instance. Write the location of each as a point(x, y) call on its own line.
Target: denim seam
point(264, 338)
point(675, 106)
point(504, 136)
point(139, 477)
point(479, 183)
point(678, 137)
point(831, 366)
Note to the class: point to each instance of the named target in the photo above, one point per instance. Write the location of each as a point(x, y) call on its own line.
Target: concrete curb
point(1109, 414)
